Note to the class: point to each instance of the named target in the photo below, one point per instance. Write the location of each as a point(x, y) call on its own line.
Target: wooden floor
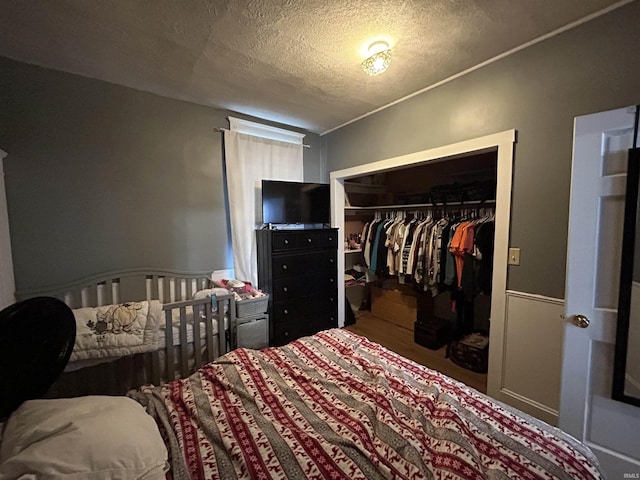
point(400, 340)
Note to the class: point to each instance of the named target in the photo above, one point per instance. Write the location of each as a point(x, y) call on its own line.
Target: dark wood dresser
point(297, 268)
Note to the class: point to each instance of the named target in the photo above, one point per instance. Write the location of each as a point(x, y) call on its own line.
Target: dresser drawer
point(285, 332)
point(284, 266)
point(304, 240)
point(326, 239)
point(318, 239)
point(318, 262)
point(303, 285)
point(322, 262)
point(285, 241)
point(308, 307)
point(329, 320)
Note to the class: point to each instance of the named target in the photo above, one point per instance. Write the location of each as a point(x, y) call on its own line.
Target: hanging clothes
point(393, 239)
point(434, 253)
point(373, 228)
point(485, 237)
point(377, 249)
point(435, 250)
point(363, 235)
point(434, 257)
point(405, 248)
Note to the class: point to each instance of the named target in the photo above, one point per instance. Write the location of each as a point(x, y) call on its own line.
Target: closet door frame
point(7, 280)
point(503, 144)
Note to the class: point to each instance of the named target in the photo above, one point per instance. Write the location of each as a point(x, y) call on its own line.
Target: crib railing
point(175, 359)
point(181, 359)
point(126, 285)
point(157, 287)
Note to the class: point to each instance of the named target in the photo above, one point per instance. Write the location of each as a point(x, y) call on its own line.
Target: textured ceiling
point(295, 62)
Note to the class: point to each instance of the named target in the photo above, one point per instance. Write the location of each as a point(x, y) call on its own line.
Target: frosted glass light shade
point(379, 59)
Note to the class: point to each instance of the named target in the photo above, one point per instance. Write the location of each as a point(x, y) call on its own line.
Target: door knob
point(580, 321)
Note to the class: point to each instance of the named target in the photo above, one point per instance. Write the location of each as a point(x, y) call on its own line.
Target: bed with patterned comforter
point(335, 405)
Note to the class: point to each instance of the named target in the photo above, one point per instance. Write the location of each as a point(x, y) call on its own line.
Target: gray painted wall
point(538, 91)
point(101, 177)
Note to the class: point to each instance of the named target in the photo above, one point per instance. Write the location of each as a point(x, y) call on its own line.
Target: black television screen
point(295, 202)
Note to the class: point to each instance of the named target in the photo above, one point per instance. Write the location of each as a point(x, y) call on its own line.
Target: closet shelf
point(422, 205)
point(357, 187)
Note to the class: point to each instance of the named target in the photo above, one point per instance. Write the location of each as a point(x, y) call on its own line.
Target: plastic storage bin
point(251, 332)
point(250, 307)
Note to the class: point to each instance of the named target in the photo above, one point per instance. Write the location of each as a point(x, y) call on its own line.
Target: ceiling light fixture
point(379, 58)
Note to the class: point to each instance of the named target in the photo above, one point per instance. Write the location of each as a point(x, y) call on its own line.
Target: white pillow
point(207, 292)
point(94, 437)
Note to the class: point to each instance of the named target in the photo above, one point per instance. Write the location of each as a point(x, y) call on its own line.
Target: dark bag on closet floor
point(470, 352)
point(349, 316)
point(432, 333)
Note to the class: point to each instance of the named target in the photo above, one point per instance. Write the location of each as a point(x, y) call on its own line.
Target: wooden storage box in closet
point(298, 269)
point(394, 306)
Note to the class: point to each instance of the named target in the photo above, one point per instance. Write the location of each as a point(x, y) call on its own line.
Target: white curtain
point(7, 283)
point(249, 159)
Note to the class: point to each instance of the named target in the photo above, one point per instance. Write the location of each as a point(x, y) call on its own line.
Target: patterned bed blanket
point(335, 405)
point(113, 331)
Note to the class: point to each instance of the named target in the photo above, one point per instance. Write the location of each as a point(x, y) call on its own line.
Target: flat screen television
point(295, 202)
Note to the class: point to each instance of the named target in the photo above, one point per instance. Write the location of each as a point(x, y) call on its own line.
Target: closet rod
point(470, 203)
point(221, 129)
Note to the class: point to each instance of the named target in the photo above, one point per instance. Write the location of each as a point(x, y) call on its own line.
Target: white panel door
point(598, 182)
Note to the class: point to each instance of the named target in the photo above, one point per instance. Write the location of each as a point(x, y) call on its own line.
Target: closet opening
point(469, 181)
point(422, 207)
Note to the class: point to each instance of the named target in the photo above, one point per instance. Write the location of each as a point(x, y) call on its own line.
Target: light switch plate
point(514, 256)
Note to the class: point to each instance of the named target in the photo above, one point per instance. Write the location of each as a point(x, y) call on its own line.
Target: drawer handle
point(285, 289)
point(331, 299)
point(330, 239)
point(331, 280)
point(286, 334)
point(284, 267)
point(331, 260)
point(308, 240)
point(286, 242)
point(285, 311)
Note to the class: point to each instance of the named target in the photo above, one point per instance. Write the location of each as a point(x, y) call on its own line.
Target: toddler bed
point(333, 405)
point(177, 315)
